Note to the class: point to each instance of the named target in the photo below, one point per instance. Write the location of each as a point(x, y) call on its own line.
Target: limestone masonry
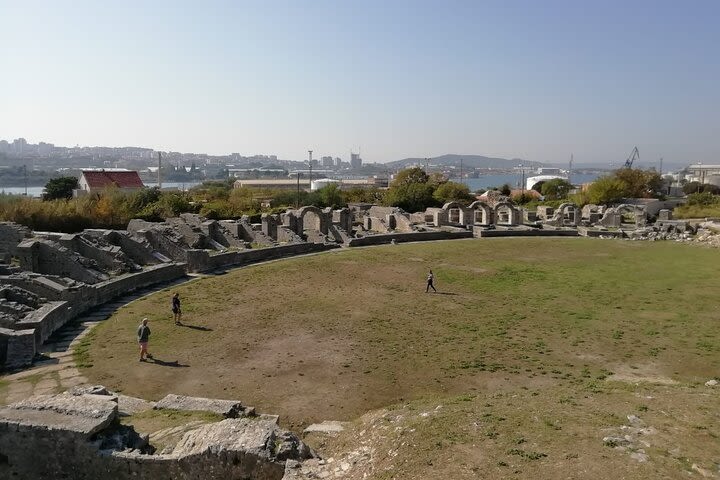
point(78, 435)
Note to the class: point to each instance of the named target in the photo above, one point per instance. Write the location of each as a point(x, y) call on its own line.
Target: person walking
point(177, 312)
point(430, 279)
point(143, 334)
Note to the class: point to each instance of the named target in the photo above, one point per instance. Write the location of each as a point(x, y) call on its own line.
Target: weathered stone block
point(226, 408)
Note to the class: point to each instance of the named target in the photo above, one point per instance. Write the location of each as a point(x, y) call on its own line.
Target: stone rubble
point(84, 421)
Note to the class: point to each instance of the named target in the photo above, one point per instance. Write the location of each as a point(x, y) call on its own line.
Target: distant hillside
point(468, 161)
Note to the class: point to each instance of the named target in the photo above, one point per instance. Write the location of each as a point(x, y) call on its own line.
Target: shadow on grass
point(445, 293)
point(164, 363)
point(196, 327)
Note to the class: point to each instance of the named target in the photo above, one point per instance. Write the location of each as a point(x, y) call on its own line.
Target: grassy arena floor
point(535, 348)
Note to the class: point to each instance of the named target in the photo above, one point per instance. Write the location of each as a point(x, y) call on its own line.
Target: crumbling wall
point(343, 218)
point(136, 248)
point(161, 238)
point(109, 258)
point(46, 256)
point(286, 235)
point(393, 218)
point(270, 225)
point(566, 215)
point(50, 287)
point(227, 235)
point(11, 234)
point(338, 234)
point(254, 235)
point(375, 224)
point(17, 349)
point(15, 304)
point(79, 437)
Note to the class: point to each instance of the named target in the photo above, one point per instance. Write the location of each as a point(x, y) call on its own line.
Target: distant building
point(45, 149)
point(327, 161)
point(20, 145)
point(338, 162)
point(703, 173)
point(97, 180)
point(355, 160)
point(274, 184)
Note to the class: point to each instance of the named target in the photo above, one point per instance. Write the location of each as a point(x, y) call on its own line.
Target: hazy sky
point(535, 79)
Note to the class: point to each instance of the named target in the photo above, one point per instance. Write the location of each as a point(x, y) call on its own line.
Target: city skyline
point(536, 81)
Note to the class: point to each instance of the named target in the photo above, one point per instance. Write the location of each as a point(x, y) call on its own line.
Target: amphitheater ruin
point(48, 279)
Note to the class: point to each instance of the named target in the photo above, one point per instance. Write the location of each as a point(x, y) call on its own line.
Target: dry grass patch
point(336, 335)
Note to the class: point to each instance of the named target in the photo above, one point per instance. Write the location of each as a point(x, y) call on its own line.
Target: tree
point(363, 195)
point(556, 189)
point(330, 196)
point(697, 187)
point(606, 190)
point(452, 192)
point(505, 190)
point(411, 191)
point(703, 199)
point(61, 187)
point(639, 183)
point(410, 176)
point(523, 198)
point(415, 197)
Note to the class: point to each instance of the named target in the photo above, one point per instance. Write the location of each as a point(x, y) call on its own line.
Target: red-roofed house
point(97, 180)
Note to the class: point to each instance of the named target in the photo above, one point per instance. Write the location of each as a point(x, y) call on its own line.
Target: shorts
point(143, 345)
point(176, 310)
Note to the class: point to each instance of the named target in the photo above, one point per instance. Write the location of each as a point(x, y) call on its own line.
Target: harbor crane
point(634, 155)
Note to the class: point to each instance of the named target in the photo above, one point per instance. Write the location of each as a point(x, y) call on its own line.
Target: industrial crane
point(634, 155)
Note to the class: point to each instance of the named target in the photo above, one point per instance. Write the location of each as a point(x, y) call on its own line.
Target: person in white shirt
point(430, 285)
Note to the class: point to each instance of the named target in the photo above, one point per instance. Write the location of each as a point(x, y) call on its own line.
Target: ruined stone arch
point(613, 217)
point(482, 213)
point(638, 212)
point(455, 213)
point(312, 218)
point(506, 214)
point(567, 214)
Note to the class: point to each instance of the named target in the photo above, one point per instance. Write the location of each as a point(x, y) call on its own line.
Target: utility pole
point(661, 166)
point(25, 175)
point(159, 181)
point(310, 163)
point(461, 172)
point(297, 200)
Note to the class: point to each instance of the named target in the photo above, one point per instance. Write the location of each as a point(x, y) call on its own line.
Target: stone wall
point(407, 237)
point(47, 256)
point(136, 248)
point(79, 437)
point(480, 232)
point(17, 348)
point(41, 323)
point(245, 257)
point(46, 319)
point(49, 287)
point(11, 234)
